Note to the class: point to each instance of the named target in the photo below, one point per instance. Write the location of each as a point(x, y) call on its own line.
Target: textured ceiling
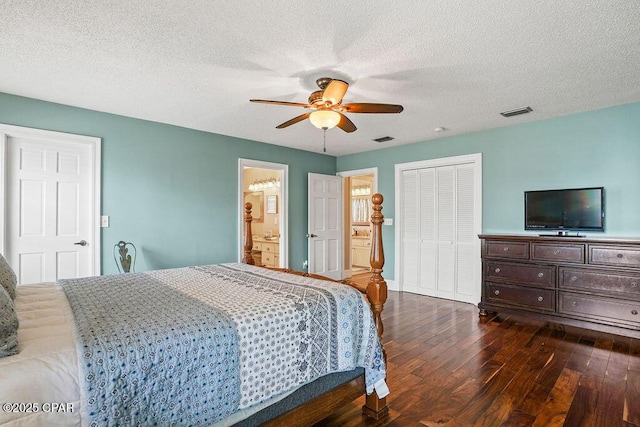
point(452, 64)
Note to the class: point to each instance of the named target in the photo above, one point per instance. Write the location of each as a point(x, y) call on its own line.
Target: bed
point(172, 347)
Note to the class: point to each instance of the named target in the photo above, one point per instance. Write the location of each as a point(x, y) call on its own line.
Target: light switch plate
point(104, 221)
point(388, 221)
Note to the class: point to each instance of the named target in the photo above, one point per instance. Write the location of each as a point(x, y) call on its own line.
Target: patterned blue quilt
point(190, 346)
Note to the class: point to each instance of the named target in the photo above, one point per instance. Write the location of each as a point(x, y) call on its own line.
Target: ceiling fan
point(328, 109)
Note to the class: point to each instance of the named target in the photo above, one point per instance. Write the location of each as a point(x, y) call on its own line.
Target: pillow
point(8, 325)
point(7, 277)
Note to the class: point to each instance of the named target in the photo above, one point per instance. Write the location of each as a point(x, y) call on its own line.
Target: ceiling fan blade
point(290, 104)
point(334, 92)
point(366, 107)
point(345, 124)
point(293, 121)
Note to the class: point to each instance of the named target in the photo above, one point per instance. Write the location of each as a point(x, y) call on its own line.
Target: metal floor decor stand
point(124, 264)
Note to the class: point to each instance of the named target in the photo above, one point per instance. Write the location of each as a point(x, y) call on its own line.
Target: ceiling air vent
point(517, 112)
point(384, 139)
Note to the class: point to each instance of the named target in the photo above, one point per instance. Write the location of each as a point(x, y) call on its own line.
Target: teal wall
point(596, 148)
point(172, 191)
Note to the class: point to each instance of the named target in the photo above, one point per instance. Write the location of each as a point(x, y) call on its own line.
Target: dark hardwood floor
point(449, 367)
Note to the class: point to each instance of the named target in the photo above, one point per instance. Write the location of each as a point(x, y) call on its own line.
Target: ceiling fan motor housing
point(315, 98)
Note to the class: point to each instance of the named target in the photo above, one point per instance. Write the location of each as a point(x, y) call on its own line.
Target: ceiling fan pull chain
point(324, 132)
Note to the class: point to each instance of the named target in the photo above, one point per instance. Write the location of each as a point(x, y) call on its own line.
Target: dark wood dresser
point(585, 282)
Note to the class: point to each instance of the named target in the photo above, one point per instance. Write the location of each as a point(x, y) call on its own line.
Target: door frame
point(283, 226)
point(94, 144)
point(476, 160)
point(346, 247)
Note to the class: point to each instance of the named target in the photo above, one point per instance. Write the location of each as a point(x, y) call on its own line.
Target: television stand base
point(561, 234)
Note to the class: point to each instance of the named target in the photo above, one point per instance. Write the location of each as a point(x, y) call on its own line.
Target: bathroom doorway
point(264, 185)
point(359, 186)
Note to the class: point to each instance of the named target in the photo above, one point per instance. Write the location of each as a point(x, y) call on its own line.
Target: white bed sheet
point(44, 375)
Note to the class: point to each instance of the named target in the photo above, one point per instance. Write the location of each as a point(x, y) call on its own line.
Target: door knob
point(81, 243)
point(312, 235)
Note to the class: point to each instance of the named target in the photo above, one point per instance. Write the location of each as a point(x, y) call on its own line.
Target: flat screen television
point(573, 209)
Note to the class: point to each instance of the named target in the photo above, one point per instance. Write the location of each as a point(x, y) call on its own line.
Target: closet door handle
point(311, 235)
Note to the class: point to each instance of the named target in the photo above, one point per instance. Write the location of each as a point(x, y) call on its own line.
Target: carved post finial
point(248, 238)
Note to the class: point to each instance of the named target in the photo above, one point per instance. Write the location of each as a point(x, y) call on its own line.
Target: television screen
point(569, 209)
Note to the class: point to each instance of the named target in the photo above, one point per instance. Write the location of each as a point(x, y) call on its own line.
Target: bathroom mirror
point(256, 198)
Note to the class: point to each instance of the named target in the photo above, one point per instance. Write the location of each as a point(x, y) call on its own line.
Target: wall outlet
point(104, 221)
point(305, 264)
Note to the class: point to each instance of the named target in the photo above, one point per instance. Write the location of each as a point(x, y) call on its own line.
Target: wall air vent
point(384, 139)
point(516, 112)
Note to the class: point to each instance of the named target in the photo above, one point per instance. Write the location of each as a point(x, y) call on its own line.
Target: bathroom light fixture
point(361, 190)
point(324, 119)
point(263, 184)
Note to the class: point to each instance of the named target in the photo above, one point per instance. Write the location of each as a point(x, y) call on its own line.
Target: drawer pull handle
point(540, 275)
point(497, 292)
point(634, 312)
point(619, 255)
point(497, 270)
point(540, 299)
point(556, 251)
point(573, 303)
point(634, 284)
point(574, 278)
point(506, 248)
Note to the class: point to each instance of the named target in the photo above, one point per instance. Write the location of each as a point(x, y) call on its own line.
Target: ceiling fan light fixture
point(324, 119)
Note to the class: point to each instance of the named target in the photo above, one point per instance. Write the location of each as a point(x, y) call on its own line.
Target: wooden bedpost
point(248, 238)
point(377, 295)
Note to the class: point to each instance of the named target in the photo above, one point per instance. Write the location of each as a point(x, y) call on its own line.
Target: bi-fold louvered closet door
point(439, 227)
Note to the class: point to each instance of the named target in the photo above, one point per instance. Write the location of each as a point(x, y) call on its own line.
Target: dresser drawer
point(550, 252)
point(622, 257)
point(599, 307)
point(531, 274)
point(600, 281)
point(268, 259)
point(515, 250)
point(361, 243)
point(257, 246)
point(270, 247)
point(536, 298)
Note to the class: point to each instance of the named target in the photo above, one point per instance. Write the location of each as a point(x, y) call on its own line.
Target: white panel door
point(467, 256)
point(51, 224)
point(325, 225)
point(409, 231)
point(427, 230)
point(446, 230)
